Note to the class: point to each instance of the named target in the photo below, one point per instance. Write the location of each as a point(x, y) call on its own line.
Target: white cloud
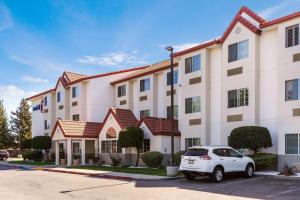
point(6, 20)
point(181, 47)
point(12, 95)
point(34, 80)
point(113, 59)
point(281, 8)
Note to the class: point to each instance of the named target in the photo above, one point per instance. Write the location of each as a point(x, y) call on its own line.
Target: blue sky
point(41, 39)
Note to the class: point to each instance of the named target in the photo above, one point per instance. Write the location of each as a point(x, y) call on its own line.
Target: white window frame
point(122, 90)
point(293, 28)
point(285, 143)
point(239, 54)
point(239, 102)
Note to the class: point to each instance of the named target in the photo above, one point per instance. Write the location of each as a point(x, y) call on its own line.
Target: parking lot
point(30, 184)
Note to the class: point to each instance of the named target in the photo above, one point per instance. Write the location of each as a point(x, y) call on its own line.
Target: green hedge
point(264, 161)
point(35, 155)
point(153, 159)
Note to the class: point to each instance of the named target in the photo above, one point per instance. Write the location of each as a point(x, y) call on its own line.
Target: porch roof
point(78, 129)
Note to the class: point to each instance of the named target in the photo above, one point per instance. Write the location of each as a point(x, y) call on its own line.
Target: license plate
point(190, 162)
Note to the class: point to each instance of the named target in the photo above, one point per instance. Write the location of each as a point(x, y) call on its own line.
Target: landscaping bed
point(130, 170)
point(21, 162)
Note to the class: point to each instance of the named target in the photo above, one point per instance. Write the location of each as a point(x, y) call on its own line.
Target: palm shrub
point(115, 160)
point(153, 159)
point(177, 157)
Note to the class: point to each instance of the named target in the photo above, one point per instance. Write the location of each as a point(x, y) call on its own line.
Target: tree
point(21, 122)
point(41, 143)
point(6, 137)
point(250, 137)
point(132, 137)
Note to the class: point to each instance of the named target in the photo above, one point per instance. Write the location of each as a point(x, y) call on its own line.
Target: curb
point(116, 177)
point(17, 166)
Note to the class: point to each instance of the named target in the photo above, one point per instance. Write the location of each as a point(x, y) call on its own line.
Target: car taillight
point(205, 157)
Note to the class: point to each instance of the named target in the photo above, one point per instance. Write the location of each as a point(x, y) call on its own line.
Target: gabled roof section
point(146, 71)
point(78, 129)
point(160, 126)
point(124, 117)
point(71, 76)
point(280, 20)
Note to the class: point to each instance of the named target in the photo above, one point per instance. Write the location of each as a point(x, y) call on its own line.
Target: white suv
point(214, 161)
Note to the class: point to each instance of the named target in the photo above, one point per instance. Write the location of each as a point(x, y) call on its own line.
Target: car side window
point(233, 153)
point(221, 152)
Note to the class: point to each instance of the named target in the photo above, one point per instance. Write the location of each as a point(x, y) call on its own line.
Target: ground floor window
point(190, 142)
point(292, 143)
point(146, 145)
point(76, 148)
point(110, 146)
point(61, 147)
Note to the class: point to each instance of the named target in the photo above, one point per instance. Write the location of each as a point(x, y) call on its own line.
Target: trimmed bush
point(41, 142)
point(35, 155)
point(27, 144)
point(177, 157)
point(153, 159)
point(264, 161)
point(250, 137)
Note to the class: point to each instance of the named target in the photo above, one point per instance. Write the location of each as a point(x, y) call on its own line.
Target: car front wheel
point(249, 172)
point(217, 175)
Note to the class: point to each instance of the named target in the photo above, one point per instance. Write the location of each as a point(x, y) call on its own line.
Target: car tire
point(189, 176)
point(217, 175)
point(249, 171)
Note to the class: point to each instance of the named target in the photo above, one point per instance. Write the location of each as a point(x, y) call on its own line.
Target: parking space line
point(236, 182)
point(281, 193)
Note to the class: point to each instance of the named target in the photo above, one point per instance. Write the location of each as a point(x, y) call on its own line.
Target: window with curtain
point(175, 77)
point(192, 105)
point(292, 144)
point(238, 98)
point(238, 51)
point(190, 142)
point(292, 36)
point(144, 84)
point(193, 64)
point(292, 90)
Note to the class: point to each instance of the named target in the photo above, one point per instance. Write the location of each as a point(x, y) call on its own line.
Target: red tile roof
point(125, 118)
point(69, 78)
point(160, 126)
point(78, 129)
point(281, 19)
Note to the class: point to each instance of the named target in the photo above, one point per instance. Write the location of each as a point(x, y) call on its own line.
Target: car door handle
point(221, 159)
point(234, 160)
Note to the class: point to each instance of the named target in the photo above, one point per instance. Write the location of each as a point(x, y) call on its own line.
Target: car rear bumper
point(196, 173)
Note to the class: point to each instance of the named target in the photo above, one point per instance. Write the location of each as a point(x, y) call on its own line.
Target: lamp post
point(170, 49)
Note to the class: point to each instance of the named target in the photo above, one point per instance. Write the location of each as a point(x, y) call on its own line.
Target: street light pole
point(170, 49)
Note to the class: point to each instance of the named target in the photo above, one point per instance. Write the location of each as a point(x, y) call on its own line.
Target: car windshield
point(196, 152)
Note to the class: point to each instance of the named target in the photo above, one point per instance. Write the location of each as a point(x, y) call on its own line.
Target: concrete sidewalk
point(276, 174)
point(110, 174)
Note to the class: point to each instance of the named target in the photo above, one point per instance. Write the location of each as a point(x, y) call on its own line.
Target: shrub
point(115, 160)
point(264, 161)
point(288, 171)
point(41, 142)
point(177, 157)
point(27, 144)
point(250, 137)
point(152, 159)
point(35, 155)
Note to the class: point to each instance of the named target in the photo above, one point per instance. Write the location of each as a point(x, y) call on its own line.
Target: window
point(238, 51)
point(292, 36)
point(238, 98)
point(110, 146)
point(193, 64)
point(292, 90)
point(175, 112)
point(76, 117)
point(192, 105)
point(61, 147)
point(145, 84)
point(46, 125)
point(221, 152)
point(75, 91)
point(144, 113)
point(175, 77)
point(58, 97)
point(196, 152)
point(146, 145)
point(76, 148)
point(45, 101)
point(190, 142)
point(233, 153)
point(121, 90)
point(292, 143)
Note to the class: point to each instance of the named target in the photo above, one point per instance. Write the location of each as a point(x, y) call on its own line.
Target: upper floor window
point(237, 98)
point(76, 117)
point(144, 84)
point(175, 77)
point(192, 105)
point(46, 125)
point(45, 101)
point(144, 113)
point(121, 90)
point(292, 36)
point(193, 64)
point(175, 112)
point(238, 51)
point(58, 97)
point(292, 90)
point(75, 91)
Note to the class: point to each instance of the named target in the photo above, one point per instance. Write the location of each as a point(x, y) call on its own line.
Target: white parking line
point(253, 179)
point(280, 193)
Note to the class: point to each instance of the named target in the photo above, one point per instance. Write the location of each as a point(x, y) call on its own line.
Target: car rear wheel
point(217, 175)
point(249, 172)
point(189, 176)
